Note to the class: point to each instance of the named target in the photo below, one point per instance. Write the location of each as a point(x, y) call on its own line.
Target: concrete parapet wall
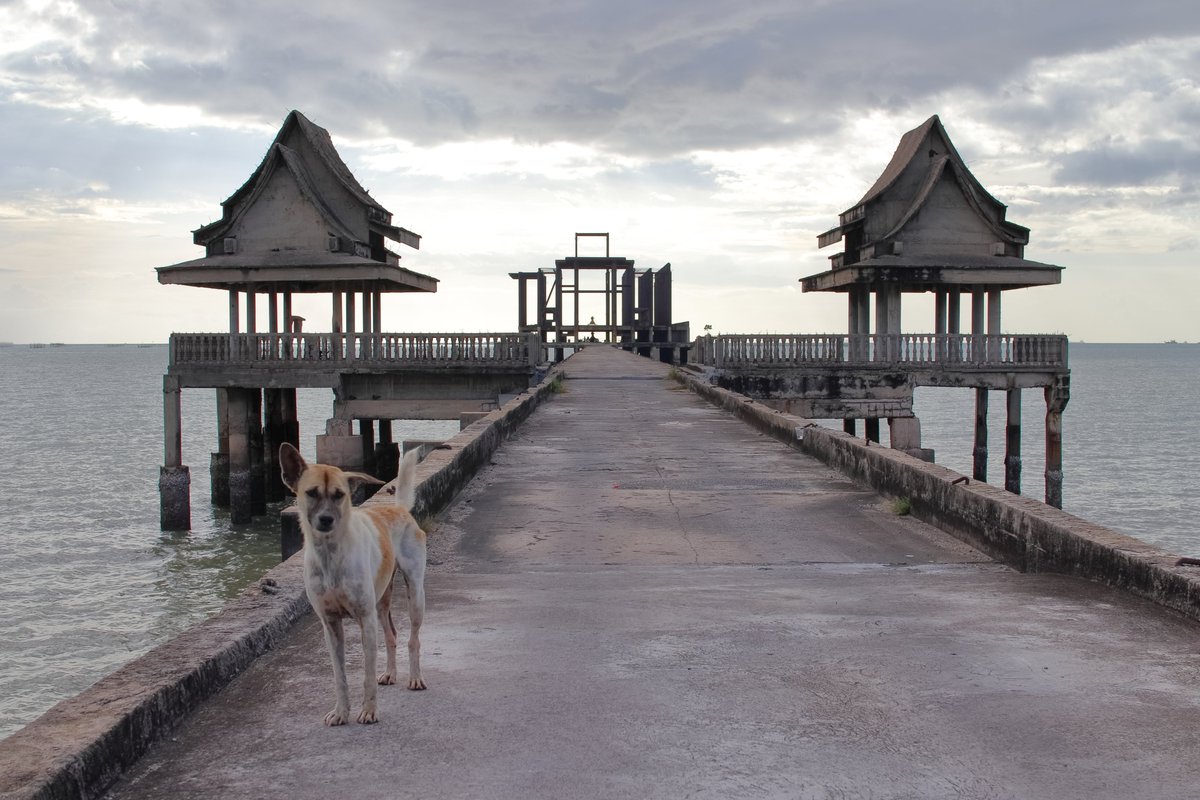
point(1023, 533)
point(81, 746)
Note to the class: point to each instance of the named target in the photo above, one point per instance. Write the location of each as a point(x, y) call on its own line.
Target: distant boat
point(36, 344)
point(57, 344)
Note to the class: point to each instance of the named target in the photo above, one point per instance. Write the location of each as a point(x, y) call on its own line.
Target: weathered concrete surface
point(1022, 532)
point(646, 598)
point(84, 743)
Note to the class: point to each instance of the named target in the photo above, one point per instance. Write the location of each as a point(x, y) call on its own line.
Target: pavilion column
point(337, 323)
point(174, 479)
point(251, 312)
point(993, 324)
point(234, 305)
point(351, 328)
point(377, 311)
point(1012, 443)
point(273, 312)
point(940, 317)
point(859, 318)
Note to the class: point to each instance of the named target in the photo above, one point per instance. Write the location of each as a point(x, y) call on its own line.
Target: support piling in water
point(174, 496)
point(979, 471)
point(1012, 443)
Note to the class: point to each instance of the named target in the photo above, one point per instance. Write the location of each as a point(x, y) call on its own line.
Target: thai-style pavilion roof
point(926, 222)
point(300, 223)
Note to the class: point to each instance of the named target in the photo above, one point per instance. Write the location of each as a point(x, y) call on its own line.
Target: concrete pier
point(642, 596)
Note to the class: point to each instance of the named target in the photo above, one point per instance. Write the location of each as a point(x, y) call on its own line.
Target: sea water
point(88, 582)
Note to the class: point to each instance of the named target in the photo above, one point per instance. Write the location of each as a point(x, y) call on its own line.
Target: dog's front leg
point(335, 640)
point(370, 643)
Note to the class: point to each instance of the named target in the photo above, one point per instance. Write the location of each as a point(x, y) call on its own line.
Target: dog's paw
point(387, 679)
point(416, 684)
point(339, 716)
point(366, 717)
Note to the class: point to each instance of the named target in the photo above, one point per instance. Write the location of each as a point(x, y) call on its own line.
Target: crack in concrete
point(678, 516)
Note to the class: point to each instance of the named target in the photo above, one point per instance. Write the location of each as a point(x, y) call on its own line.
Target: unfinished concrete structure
point(634, 305)
point(302, 224)
point(926, 225)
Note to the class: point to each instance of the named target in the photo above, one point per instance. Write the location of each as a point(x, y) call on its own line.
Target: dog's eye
point(337, 495)
point(314, 493)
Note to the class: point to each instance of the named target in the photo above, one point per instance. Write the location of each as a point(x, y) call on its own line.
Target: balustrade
point(325, 350)
point(910, 349)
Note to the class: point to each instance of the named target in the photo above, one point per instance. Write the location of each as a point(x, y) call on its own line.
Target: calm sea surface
point(88, 581)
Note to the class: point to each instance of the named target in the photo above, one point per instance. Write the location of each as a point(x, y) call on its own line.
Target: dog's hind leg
point(370, 644)
point(383, 610)
point(335, 640)
point(414, 585)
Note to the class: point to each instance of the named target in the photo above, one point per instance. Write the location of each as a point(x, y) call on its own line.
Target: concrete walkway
point(645, 598)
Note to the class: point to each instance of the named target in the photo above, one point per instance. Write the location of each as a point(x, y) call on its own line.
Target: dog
point(351, 556)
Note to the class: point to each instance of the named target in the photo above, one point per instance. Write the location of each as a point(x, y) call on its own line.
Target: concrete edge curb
point(1021, 532)
point(83, 744)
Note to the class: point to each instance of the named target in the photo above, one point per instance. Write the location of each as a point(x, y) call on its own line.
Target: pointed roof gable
point(301, 135)
point(301, 222)
point(899, 224)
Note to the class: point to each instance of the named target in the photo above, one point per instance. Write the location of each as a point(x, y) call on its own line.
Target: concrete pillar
point(1056, 401)
point(940, 317)
point(273, 312)
point(258, 472)
point(872, 429)
point(387, 460)
point(385, 431)
point(993, 325)
point(366, 430)
point(291, 423)
point(273, 436)
point(251, 312)
point(1012, 443)
point(954, 311)
point(233, 312)
point(981, 435)
point(368, 325)
point(978, 327)
point(174, 479)
point(850, 426)
point(291, 537)
point(218, 468)
point(240, 479)
point(377, 311)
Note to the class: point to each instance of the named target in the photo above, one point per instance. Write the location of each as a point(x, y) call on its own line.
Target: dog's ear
point(363, 477)
point(291, 465)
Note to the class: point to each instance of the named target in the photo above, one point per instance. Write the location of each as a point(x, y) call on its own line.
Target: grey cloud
point(636, 77)
point(1117, 165)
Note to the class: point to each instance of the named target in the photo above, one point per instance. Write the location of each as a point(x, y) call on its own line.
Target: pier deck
point(644, 597)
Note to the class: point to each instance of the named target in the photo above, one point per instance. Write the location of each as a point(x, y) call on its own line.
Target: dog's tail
point(406, 480)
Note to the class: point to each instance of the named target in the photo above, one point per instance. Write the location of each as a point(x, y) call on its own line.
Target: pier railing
point(326, 351)
point(912, 350)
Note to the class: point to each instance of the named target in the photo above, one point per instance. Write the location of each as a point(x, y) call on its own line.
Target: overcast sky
point(721, 137)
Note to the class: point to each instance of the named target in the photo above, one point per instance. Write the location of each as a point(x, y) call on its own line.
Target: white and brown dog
point(350, 558)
